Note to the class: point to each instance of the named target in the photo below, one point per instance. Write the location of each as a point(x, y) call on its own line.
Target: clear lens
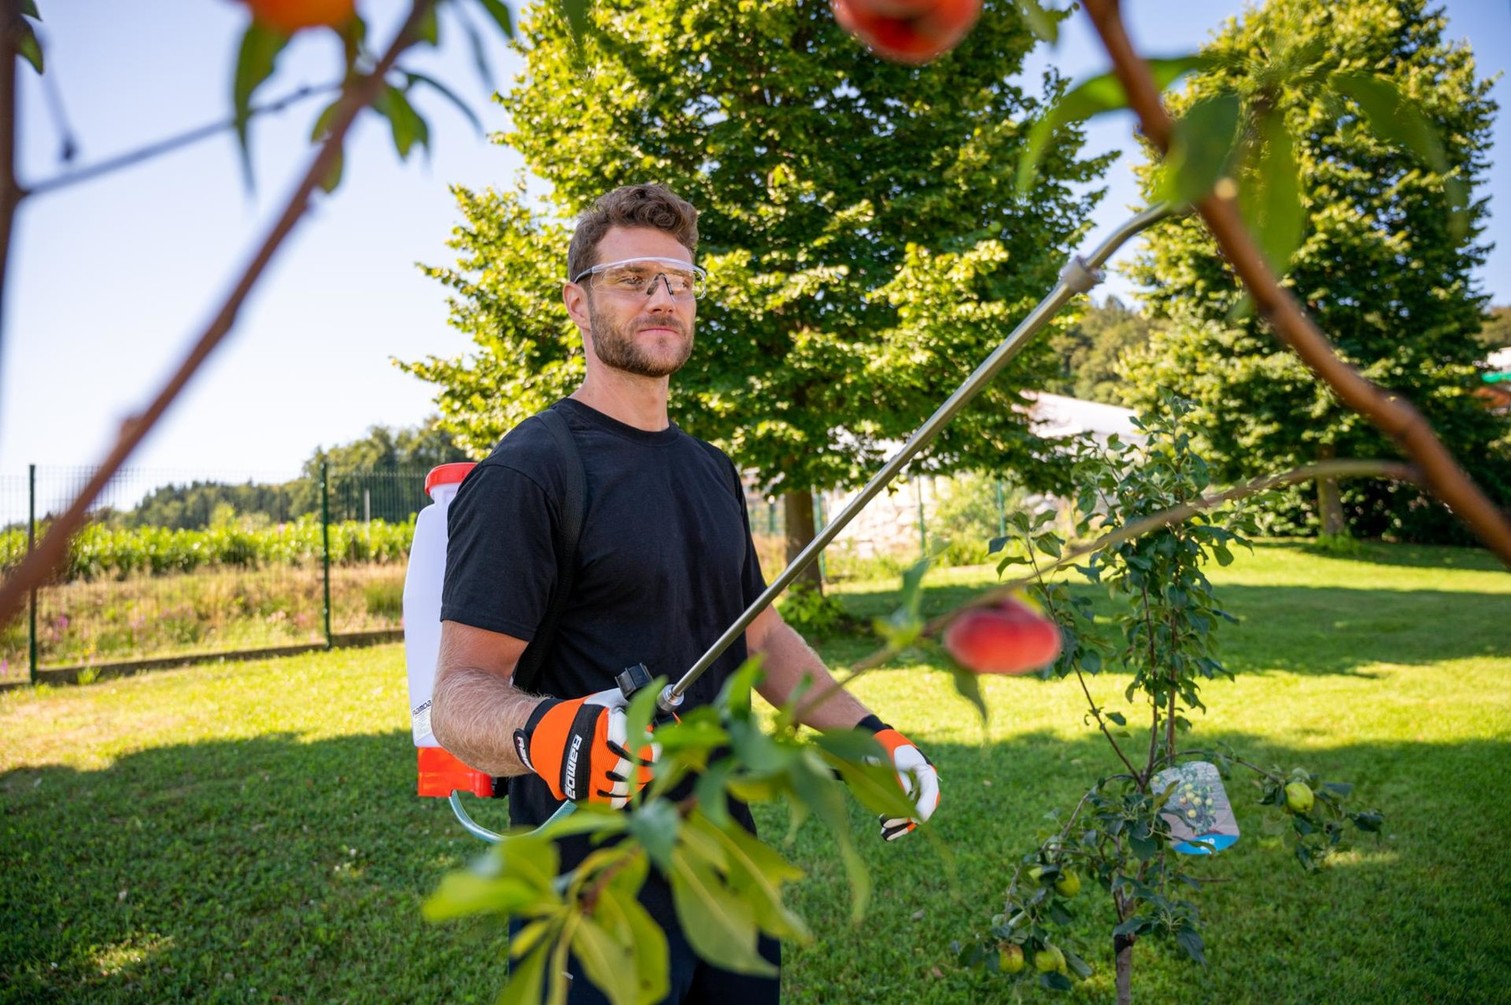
point(639, 276)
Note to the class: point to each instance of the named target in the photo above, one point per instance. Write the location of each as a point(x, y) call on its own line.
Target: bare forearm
point(787, 660)
point(475, 715)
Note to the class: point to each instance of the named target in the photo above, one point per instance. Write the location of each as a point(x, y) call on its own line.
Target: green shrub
point(100, 551)
point(812, 613)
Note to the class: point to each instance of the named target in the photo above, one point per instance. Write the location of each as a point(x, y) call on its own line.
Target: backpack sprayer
point(441, 774)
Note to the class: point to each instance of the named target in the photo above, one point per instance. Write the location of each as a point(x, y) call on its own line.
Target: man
point(664, 565)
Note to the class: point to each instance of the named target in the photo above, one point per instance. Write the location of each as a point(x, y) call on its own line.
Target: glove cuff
point(872, 723)
point(522, 736)
point(538, 713)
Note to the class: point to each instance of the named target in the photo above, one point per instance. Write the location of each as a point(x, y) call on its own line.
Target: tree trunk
point(1122, 950)
point(1330, 500)
point(797, 514)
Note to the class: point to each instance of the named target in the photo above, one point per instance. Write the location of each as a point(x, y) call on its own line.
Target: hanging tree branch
point(359, 92)
point(171, 143)
point(1390, 412)
point(1394, 470)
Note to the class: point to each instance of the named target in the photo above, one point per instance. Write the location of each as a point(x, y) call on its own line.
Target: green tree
point(1380, 266)
point(380, 476)
point(1495, 332)
point(859, 222)
point(193, 506)
point(1091, 351)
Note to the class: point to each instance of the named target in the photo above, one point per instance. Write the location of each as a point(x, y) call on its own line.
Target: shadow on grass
point(1407, 917)
point(259, 870)
point(1417, 556)
point(279, 870)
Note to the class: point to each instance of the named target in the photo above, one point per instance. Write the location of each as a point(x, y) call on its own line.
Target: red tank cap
point(447, 474)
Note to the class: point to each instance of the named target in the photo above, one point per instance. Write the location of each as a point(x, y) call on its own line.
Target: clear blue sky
point(112, 279)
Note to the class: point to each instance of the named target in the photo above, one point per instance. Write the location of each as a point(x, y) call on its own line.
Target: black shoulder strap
point(728, 465)
point(573, 508)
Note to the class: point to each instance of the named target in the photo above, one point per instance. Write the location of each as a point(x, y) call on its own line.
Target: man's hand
point(577, 746)
point(915, 773)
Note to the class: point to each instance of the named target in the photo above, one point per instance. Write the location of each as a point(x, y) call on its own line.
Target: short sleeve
point(500, 552)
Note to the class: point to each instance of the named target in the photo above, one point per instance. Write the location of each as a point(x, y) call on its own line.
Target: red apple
point(908, 31)
point(1010, 637)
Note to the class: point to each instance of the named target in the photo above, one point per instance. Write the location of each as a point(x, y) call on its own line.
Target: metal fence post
point(1001, 511)
point(31, 542)
point(820, 518)
point(325, 547)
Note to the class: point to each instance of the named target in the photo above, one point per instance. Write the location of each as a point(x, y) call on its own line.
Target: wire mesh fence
point(174, 566)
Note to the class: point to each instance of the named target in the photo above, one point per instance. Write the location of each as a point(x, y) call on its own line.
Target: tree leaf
point(530, 857)
point(255, 60)
point(1102, 93)
point(332, 178)
point(322, 126)
point(462, 894)
point(875, 787)
point(818, 793)
point(606, 961)
point(1039, 21)
point(28, 45)
point(1202, 148)
point(756, 872)
point(500, 15)
point(720, 927)
point(1055, 981)
point(969, 688)
point(1190, 940)
point(526, 979)
point(518, 873)
point(1081, 968)
point(912, 586)
point(406, 124)
point(1394, 117)
point(428, 30)
point(479, 54)
point(449, 95)
point(652, 966)
point(655, 825)
point(1271, 201)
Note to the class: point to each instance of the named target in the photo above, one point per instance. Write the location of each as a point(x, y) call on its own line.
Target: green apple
point(1299, 797)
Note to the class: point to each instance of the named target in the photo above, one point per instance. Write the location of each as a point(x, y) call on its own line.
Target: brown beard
point(616, 347)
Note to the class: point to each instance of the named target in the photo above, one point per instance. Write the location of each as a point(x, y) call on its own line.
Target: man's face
point(647, 333)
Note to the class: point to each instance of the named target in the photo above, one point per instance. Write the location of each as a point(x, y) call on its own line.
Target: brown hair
point(631, 206)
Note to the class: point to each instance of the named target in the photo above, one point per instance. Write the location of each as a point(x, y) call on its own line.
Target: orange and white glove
point(915, 773)
point(578, 747)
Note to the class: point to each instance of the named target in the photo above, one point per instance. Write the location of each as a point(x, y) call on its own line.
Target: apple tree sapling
point(1163, 613)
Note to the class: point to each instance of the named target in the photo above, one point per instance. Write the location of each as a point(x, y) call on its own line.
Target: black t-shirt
point(665, 563)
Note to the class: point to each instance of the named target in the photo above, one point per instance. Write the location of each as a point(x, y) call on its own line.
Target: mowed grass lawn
point(247, 832)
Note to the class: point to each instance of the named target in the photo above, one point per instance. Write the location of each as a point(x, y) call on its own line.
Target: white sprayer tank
point(422, 594)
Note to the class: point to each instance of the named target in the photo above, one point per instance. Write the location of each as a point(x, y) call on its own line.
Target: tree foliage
point(385, 454)
point(858, 219)
point(1495, 331)
point(1379, 265)
point(1159, 625)
point(1090, 352)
